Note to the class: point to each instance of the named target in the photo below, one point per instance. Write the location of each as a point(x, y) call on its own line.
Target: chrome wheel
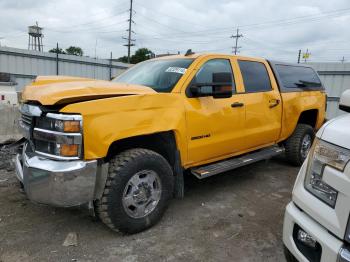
point(142, 193)
point(305, 145)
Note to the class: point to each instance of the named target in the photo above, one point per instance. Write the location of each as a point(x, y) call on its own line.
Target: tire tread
point(116, 164)
point(292, 145)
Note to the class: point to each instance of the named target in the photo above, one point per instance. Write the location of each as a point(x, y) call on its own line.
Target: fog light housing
point(307, 244)
point(306, 239)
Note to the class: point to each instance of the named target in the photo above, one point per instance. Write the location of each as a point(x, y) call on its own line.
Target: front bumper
point(333, 249)
point(56, 182)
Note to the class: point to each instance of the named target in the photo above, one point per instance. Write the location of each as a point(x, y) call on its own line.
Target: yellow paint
point(53, 89)
point(224, 131)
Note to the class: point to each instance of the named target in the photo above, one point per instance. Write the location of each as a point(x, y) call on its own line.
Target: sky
point(274, 29)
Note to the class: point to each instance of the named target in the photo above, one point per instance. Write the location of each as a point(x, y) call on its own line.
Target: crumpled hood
point(54, 90)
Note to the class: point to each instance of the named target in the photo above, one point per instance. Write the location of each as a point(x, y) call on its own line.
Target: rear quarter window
point(298, 77)
point(255, 76)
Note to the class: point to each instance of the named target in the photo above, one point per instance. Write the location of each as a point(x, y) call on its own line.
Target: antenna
point(35, 41)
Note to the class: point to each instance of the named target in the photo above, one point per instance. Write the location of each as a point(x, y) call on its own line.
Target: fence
point(336, 78)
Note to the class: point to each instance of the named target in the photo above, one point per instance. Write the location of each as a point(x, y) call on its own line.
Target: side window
point(205, 73)
point(298, 77)
point(255, 76)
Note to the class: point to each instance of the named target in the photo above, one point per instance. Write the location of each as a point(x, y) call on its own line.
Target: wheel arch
point(309, 117)
point(164, 143)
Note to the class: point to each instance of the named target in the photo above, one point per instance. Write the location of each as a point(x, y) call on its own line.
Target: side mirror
point(344, 103)
point(221, 87)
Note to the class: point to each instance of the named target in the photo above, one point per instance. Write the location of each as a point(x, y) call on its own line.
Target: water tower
point(35, 38)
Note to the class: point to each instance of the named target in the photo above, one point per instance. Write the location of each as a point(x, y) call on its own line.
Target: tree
point(123, 59)
point(54, 50)
point(74, 50)
point(140, 55)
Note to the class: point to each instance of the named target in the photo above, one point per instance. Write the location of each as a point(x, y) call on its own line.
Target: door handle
point(274, 102)
point(237, 104)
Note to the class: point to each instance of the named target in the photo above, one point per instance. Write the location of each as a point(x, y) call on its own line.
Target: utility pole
point(236, 47)
point(299, 55)
point(129, 44)
point(57, 70)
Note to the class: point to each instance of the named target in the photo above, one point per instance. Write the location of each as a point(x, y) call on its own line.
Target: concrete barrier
point(9, 115)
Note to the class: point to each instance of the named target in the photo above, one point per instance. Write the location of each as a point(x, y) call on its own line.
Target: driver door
point(215, 126)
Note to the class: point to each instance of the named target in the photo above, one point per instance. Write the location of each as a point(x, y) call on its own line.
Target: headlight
point(321, 155)
point(59, 125)
point(58, 136)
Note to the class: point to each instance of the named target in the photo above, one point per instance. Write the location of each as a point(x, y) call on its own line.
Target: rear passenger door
point(262, 103)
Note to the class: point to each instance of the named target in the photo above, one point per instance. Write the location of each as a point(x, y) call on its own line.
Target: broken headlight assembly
point(324, 154)
point(58, 136)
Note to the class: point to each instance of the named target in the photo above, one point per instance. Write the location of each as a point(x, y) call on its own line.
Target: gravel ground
point(236, 216)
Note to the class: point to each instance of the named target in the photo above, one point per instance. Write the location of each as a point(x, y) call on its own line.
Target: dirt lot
point(236, 216)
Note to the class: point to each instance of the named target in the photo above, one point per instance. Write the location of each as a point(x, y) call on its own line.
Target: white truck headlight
point(324, 154)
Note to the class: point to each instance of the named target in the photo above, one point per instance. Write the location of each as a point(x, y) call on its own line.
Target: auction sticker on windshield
point(179, 70)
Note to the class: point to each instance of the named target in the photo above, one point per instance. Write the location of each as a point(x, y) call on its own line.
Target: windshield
point(160, 75)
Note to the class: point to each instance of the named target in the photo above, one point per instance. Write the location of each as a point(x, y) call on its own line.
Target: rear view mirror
point(221, 87)
point(344, 103)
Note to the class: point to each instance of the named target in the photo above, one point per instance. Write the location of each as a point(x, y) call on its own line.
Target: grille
point(26, 120)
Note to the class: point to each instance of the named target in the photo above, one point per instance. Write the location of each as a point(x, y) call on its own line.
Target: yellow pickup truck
point(124, 146)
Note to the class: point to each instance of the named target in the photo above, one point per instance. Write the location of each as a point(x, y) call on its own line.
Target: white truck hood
point(337, 131)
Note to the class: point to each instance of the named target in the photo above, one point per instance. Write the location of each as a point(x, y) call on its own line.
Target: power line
point(270, 23)
point(93, 22)
point(95, 27)
point(164, 25)
point(175, 18)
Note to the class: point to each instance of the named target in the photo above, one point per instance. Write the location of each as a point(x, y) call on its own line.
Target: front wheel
point(298, 145)
point(138, 189)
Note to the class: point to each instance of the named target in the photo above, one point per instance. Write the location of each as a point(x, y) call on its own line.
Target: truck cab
point(125, 145)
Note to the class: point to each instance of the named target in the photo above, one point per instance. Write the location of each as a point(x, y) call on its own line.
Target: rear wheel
point(299, 144)
point(137, 191)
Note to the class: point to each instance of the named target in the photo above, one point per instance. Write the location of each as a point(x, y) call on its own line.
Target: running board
point(232, 163)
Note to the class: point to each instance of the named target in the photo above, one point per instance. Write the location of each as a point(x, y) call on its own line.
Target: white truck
point(317, 221)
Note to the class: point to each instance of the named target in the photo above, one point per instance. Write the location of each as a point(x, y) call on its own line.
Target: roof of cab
point(196, 55)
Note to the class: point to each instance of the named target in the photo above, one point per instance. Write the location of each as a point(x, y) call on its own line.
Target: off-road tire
point(121, 168)
point(293, 144)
